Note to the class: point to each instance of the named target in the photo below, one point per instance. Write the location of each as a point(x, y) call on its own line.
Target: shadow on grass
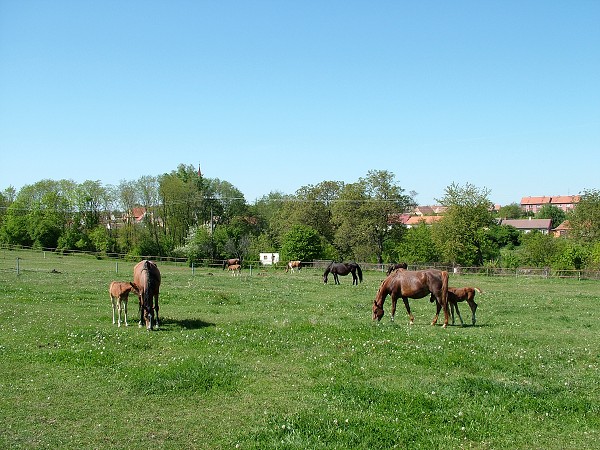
point(187, 324)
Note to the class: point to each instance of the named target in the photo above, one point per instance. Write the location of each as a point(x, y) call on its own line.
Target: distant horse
point(343, 269)
point(235, 269)
point(119, 294)
point(456, 295)
point(293, 265)
point(231, 262)
point(393, 267)
point(146, 276)
point(407, 284)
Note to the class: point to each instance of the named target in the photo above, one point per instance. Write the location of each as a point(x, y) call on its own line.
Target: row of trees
point(188, 215)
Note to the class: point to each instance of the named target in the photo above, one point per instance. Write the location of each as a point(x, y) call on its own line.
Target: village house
point(564, 202)
point(528, 225)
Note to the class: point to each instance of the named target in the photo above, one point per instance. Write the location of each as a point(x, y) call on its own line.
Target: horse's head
point(147, 308)
point(134, 288)
point(377, 311)
point(378, 302)
point(325, 276)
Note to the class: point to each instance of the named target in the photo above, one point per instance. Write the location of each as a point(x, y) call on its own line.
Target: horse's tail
point(478, 290)
point(444, 298)
point(327, 270)
point(359, 270)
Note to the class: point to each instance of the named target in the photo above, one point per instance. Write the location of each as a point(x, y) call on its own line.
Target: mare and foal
point(146, 284)
point(405, 284)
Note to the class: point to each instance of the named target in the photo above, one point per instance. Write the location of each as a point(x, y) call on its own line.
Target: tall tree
point(551, 212)
point(584, 220)
point(458, 235)
point(362, 215)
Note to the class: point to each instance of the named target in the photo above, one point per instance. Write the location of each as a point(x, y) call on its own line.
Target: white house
point(268, 259)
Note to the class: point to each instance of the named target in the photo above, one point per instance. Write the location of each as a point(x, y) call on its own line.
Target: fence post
point(193, 271)
point(18, 270)
point(117, 267)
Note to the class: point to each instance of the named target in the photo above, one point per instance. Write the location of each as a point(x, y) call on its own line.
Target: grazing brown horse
point(393, 267)
point(119, 294)
point(231, 262)
point(235, 269)
point(293, 265)
point(343, 269)
point(146, 276)
point(456, 295)
point(407, 284)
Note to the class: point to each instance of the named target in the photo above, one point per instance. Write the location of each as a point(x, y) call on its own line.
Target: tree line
point(195, 217)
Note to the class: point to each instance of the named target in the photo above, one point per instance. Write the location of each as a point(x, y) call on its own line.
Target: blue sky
point(276, 95)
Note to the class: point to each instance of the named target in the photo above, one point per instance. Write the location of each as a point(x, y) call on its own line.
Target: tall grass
point(276, 360)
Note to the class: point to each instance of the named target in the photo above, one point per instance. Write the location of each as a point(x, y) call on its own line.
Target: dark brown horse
point(343, 269)
point(393, 267)
point(456, 295)
point(146, 277)
point(231, 262)
point(407, 284)
point(293, 265)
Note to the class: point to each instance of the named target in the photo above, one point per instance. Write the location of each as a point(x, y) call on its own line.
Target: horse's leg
point(114, 306)
point(438, 307)
point(336, 279)
point(473, 307)
point(125, 310)
point(354, 278)
point(156, 308)
point(407, 306)
point(454, 306)
point(141, 309)
point(393, 312)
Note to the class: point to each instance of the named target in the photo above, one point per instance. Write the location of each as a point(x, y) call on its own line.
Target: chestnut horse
point(231, 262)
point(235, 269)
point(456, 295)
point(343, 269)
point(147, 277)
point(393, 267)
point(119, 294)
point(293, 265)
point(407, 284)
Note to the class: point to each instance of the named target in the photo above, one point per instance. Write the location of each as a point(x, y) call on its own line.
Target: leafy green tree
point(570, 255)
point(231, 200)
point(511, 211)
point(504, 235)
point(417, 246)
point(584, 220)
point(310, 206)
point(551, 212)
point(458, 234)
point(362, 216)
point(14, 225)
point(594, 256)
point(198, 245)
point(102, 241)
point(538, 249)
point(302, 243)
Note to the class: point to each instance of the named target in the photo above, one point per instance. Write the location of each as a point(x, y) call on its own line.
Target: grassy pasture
point(278, 360)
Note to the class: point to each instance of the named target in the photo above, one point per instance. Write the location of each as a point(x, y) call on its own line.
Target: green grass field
point(276, 360)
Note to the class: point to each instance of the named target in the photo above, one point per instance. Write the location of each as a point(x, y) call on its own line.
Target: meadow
point(280, 360)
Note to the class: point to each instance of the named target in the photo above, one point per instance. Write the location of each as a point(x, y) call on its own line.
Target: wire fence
point(16, 259)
